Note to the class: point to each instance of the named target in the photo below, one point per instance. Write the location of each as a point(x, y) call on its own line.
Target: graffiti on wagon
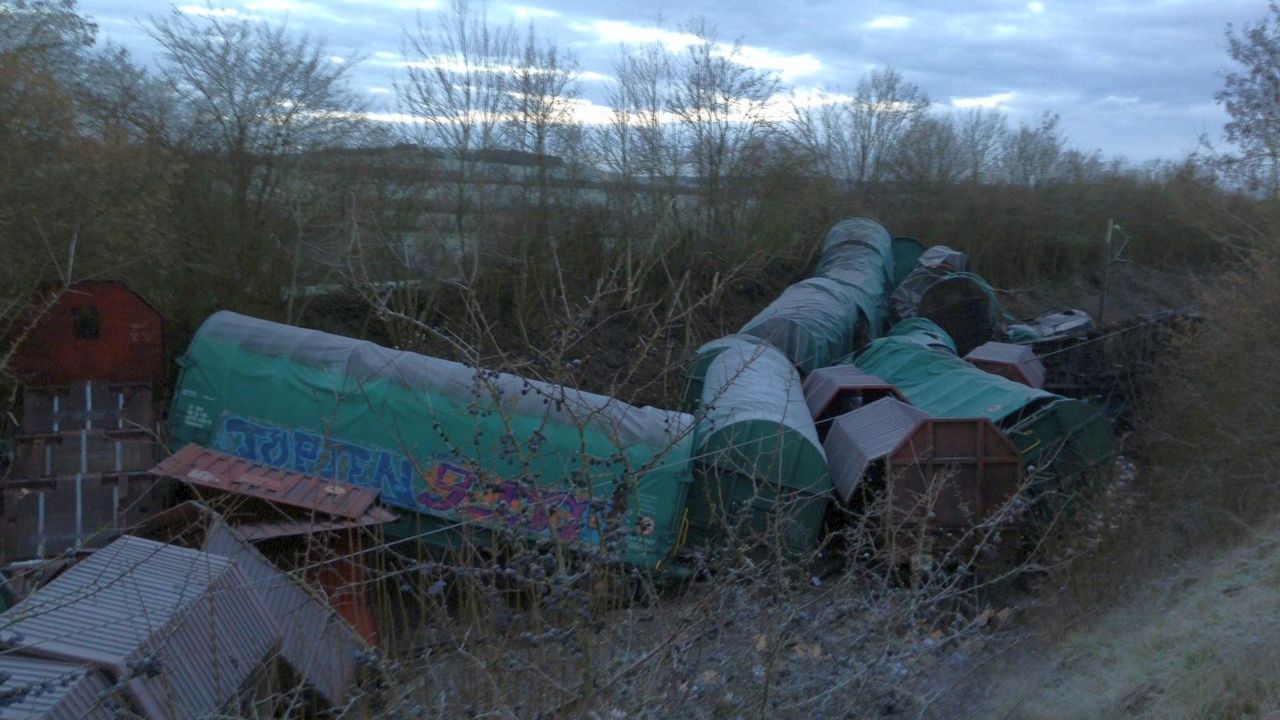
point(438, 486)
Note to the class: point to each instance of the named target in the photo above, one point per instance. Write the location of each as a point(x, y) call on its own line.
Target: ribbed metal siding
point(865, 435)
point(824, 385)
point(49, 690)
point(137, 599)
point(211, 469)
point(1024, 366)
point(317, 642)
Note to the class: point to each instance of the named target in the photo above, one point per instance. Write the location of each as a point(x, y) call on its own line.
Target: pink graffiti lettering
point(563, 514)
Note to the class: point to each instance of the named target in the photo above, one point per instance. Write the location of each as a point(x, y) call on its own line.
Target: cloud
point(202, 11)
point(986, 101)
point(616, 31)
point(888, 22)
point(788, 65)
point(1083, 59)
point(398, 4)
point(812, 96)
point(530, 12)
point(293, 8)
point(583, 111)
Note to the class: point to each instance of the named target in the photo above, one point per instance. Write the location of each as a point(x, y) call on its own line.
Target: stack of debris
point(151, 629)
point(300, 521)
point(93, 372)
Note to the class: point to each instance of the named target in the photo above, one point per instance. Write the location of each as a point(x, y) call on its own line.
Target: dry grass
point(1201, 642)
point(1174, 612)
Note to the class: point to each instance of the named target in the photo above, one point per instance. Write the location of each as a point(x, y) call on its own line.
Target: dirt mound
point(1134, 290)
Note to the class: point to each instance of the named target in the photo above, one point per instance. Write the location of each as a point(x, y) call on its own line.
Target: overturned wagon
point(817, 321)
point(454, 446)
point(761, 472)
point(1055, 435)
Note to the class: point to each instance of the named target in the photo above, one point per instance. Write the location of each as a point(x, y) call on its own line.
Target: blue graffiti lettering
point(443, 486)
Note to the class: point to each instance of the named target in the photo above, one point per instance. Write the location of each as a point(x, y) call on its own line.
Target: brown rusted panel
point(1015, 362)
point(268, 529)
point(952, 474)
point(218, 471)
point(99, 331)
point(43, 518)
point(82, 452)
point(833, 391)
point(87, 405)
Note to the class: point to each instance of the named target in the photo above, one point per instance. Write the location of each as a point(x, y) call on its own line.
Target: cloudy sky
point(1128, 77)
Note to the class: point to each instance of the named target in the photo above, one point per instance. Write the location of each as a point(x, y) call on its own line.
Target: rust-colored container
point(833, 391)
point(316, 521)
point(1018, 363)
point(98, 331)
point(942, 478)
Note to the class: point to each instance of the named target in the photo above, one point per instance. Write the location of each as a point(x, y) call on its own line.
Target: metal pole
point(1106, 272)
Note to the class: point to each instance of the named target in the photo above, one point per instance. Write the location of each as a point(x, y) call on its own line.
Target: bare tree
point(720, 104)
point(852, 139)
point(820, 127)
point(51, 30)
point(880, 114)
point(1251, 97)
point(929, 154)
point(1031, 155)
point(256, 95)
point(259, 103)
point(637, 144)
point(541, 122)
point(981, 132)
point(79, 190)
point(458, 88)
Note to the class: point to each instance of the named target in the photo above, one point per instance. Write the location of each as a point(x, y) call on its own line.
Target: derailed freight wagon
point(456, 447)
point(817, 321)
point(91, 364)
point(1057, 436)
point(761, 471)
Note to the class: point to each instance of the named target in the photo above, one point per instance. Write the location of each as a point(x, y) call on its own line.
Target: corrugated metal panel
point(318, 643)
point(43, 518)
point(1016, 362)
point(825, 385)
point(861, 437)
point(180, 627)
point(35, 689)
point(210, 469)
point(267, 529)
point(87, 406)
point(83, 452)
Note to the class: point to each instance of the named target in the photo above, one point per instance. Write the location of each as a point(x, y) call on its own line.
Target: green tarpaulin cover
point(817, 321)
point(941, 384)
point(756, 444)
point(456, 446)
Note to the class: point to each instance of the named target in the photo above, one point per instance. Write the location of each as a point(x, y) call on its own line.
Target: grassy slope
point(1202, 641)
